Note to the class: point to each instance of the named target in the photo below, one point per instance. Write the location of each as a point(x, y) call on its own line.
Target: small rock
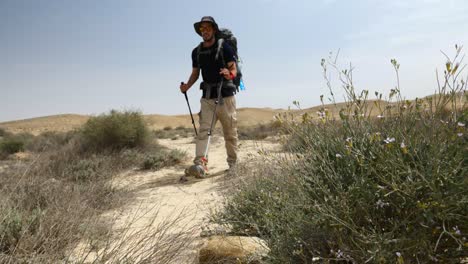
point(233, 249)
point(22, 156)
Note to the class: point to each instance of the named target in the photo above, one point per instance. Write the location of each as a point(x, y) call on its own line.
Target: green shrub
point(155, 161)
point(269, 202)
point(163, 158)
point(14, 224)
point(3, 132)
point(10, 229)
point(11, 146)
point(116, 130)
point(361, 189)
point(84, 169)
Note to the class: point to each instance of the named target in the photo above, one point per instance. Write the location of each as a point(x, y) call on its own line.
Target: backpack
point(231, 40)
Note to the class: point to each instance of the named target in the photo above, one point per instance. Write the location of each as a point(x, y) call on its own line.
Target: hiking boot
point(197, 171)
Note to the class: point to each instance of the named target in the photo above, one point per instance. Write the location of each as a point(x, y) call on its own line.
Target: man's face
point(207, 31)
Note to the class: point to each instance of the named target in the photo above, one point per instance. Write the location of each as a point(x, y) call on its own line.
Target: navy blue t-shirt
point(209, 66)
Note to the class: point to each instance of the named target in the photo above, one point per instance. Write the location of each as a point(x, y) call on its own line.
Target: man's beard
point(209, 39)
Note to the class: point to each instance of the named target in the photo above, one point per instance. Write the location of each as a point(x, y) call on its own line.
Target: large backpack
point(231, 40)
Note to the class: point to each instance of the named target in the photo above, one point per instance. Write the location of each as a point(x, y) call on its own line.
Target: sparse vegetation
point(178, 132)
point(11, 146)
point(54, 200)
point(13, 143)
point(49, 141)
point(259, 132)
point(365, 189)
point(3, 132)
point(116, 130)
point(163, 159)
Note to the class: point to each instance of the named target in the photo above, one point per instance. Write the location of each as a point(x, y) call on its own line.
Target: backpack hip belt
point(208, 87)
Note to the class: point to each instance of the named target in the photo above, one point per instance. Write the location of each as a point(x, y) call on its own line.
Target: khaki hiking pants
point(226, 114)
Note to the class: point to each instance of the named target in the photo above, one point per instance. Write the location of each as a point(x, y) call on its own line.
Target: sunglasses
point(205, 28)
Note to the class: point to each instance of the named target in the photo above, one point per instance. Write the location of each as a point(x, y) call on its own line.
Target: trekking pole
point(218, 101)
point(190, 110)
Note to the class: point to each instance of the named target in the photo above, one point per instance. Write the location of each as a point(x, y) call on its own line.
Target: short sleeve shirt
point(208, 64)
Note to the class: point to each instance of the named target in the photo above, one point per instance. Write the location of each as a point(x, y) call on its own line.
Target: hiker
point(213, 70)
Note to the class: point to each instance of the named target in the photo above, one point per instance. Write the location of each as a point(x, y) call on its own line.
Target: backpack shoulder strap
point(198, 54)
point(220, 51)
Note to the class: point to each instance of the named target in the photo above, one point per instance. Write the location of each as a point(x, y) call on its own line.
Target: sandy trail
point(159, 197)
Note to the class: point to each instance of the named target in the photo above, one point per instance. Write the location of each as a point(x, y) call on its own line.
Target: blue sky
point(88, 56)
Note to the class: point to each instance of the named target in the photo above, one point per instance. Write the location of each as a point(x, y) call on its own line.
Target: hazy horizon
point(87, 57)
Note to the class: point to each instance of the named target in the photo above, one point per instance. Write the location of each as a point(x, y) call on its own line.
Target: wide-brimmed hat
point(208, 19)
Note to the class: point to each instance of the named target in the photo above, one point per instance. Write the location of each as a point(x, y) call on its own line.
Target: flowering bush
point(383, 182)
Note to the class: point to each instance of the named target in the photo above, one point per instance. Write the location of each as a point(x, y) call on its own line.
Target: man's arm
point(230, 72)
point(192, 79)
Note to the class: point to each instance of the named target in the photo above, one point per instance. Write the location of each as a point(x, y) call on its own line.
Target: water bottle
point(241, 83)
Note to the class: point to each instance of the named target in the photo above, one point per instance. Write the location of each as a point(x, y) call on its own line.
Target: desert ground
point(159, 199)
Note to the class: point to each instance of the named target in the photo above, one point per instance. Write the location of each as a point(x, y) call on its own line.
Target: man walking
point(214, 67)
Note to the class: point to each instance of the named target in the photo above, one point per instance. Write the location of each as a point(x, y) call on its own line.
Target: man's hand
point(226, 73)
point(184, 87)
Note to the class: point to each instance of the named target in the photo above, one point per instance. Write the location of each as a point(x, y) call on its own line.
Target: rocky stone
point(233, 249)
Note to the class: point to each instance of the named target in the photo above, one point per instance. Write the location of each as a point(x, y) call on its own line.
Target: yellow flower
point(403, 148)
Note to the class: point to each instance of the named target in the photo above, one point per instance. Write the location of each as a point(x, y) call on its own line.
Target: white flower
point(457, 231)
point(348, 139)
point(389, 140)
point(321, 114)
point(402, 145)
point(380, 116)
point(460, 134)
point(339, 254)
point(338, 155)
point(460, 124)
point(381, 204)
point(398, 254)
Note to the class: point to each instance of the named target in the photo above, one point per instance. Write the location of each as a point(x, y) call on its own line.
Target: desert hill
point(66, 122)
point(246, 117)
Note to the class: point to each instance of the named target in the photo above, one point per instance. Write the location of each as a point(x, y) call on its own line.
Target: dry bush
point(46, 201)
point(164, 242)
point(50, 203)
point(259, 132)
